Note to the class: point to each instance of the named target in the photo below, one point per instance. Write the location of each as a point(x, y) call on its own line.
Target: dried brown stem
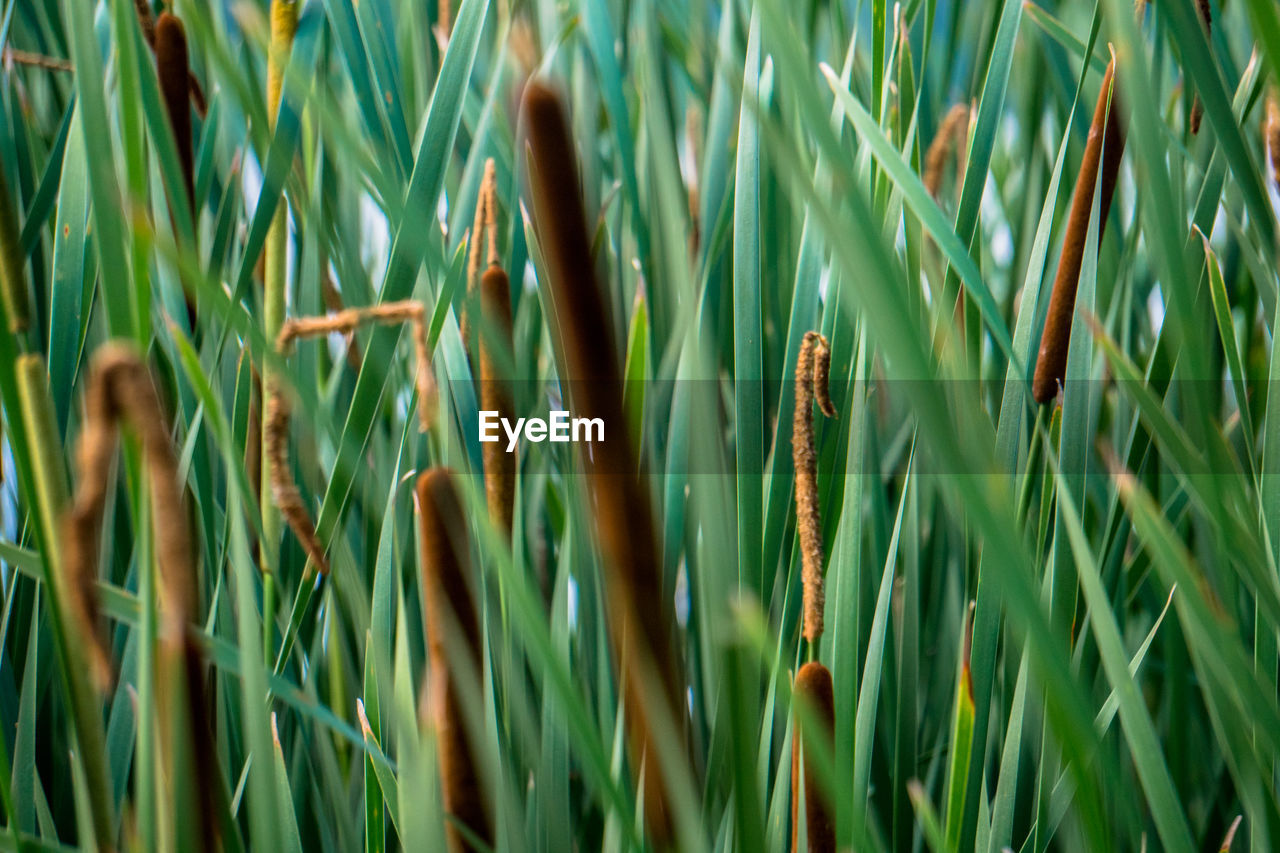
point(813, 367)
point(813, 688)
point(37, 60)
point(454, 650)
point(1102, 155)
point(640, 609)
point(332, 300)
point(283, 488)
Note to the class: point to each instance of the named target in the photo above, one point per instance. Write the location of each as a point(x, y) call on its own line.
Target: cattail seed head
point(813, 687)
point(485, 217)
point(1102, 155)
point(952, 137)
point(454, 651)
point(284, 23)
point(173, 69)
point(495, 394)
point(813, 367)
point(146, 20)
point(641, 619)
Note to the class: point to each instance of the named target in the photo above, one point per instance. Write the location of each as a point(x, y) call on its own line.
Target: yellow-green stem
point(49, 478)
point(284, 21)
point(13, 289)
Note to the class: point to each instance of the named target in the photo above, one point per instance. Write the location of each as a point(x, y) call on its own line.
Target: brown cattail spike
point(813, 688)
point(640, 609)
point(495, 394)
point(146, 20)
point(175, 74)
point(1102, 156)
point(454, 652)
point(120, 390)
point(813, 367)
point(952, 136)
point(483, 222)
point(283, 489)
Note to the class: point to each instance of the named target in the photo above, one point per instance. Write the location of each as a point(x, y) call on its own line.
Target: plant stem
point(284, 21)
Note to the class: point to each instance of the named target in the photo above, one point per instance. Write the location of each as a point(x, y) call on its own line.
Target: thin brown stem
point(284, 491)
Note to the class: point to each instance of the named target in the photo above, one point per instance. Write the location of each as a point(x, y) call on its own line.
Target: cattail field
point(640, 425)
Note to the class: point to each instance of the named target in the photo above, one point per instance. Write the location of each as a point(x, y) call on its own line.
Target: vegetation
point(263, 263)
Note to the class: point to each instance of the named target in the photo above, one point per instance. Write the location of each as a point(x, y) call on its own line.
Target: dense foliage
point(253, 247)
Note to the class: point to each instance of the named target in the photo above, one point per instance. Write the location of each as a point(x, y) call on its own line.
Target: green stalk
point(284, 22)
point(49, 488)
point(13, 288)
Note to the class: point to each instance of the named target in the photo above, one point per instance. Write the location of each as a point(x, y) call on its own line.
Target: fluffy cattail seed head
point(813, 367)
point(952, 137)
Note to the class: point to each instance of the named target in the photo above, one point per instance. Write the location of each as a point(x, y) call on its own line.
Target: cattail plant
point(1102, 156)
point(813, 367)
point(77, 581)
point(81, 651)
point(640, 610)
point(120, 390)
point(284, 494)
point(485, 219)
point(332, 300)
point(952, 138)
point(174, 72)
point(455, 653)
point(495, 347)
point(495, 393)
point(13, 283)
point(147, 22)
point(812, 690)
point(284, 22)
